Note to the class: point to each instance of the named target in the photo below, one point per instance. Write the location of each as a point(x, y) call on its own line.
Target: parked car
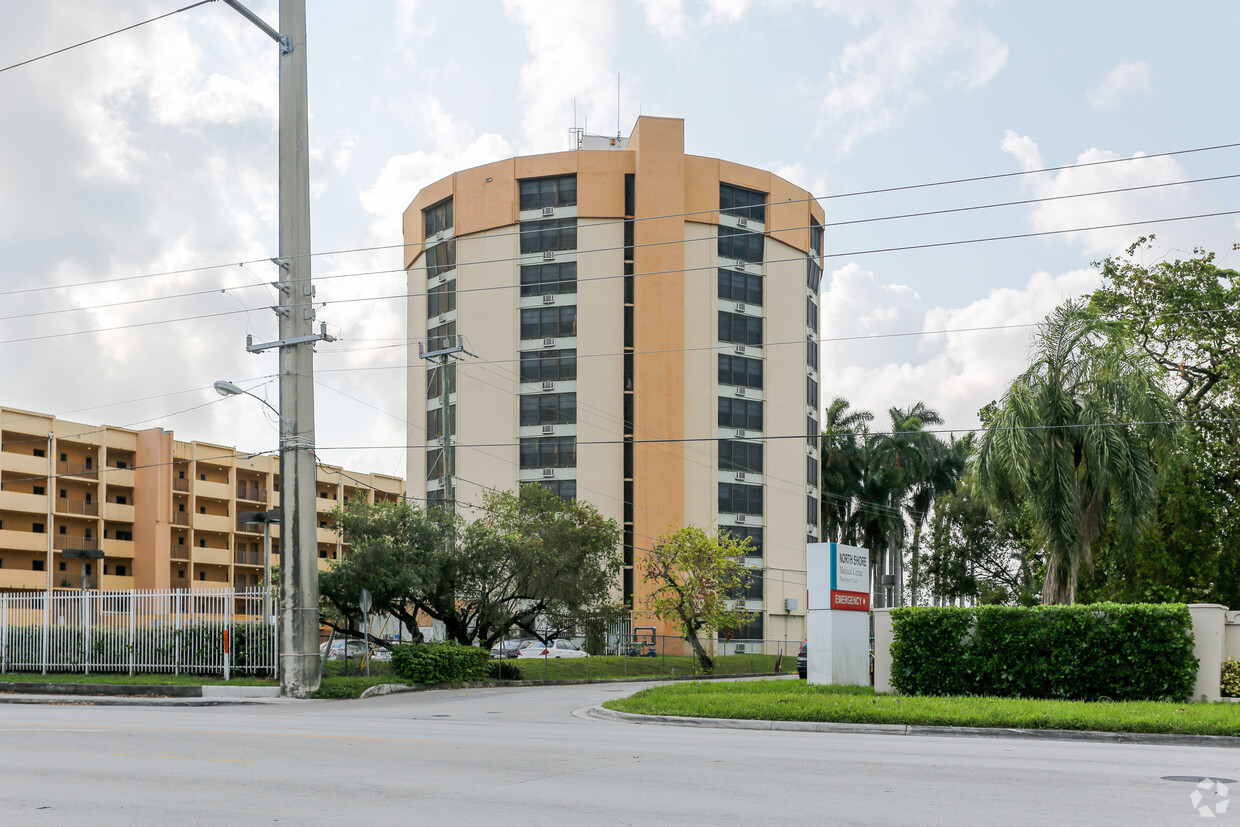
point(508, 648)
point(802, 662)
point(355, 648)
point(551, 649)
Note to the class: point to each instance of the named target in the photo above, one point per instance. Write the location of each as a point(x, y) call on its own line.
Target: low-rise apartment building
point(164, 512)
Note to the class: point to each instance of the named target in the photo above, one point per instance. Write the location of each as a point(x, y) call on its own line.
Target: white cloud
point(667, 17)
point(954, 373)
point(1131, 78)
point(877, 80)
point(728, 10)
point(572, 49)
point(1117, 208)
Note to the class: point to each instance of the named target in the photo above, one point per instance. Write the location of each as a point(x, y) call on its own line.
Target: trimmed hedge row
point(1121, 652)
point(440, 662)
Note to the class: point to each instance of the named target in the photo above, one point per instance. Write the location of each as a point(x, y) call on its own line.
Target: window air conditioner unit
point(809, 489)
point(740, 348)
point(740, 518)
point(549, 342)
point(548, 211)
point(740, 265)
point(442, 318)
point(548, 255)
point(739, 647)
point(790, 604)
point(740, 475)
point(548, 472)
point(740, 433)
point(439, 440)
point(740, 391)
point(548, 386)
point(439, 236)
point(548, 298)
point(548, 429)
point(742, 222)
point(740, 306)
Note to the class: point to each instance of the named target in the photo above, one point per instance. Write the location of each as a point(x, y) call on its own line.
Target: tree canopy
point(533, 561)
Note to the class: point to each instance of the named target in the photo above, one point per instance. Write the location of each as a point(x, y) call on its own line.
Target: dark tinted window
point(744, 532)
point(564, 489)
point(433, 388)
point(548, 322)
point(735, 455)
point(741, 202)
point(551, 234)
point(815, 237)
point(548, 366)
point(740, 371)
point(554, 277)
point(813, 275)
point(741, 329)
point(740, 413)
point(738, 498)
point(739, 244)
point(740, 287)
point(441, 258)
point(441, 336)
point(441, 299)
point(549, 452)
point(549, 409)
point(438, 218)
point(560, 191)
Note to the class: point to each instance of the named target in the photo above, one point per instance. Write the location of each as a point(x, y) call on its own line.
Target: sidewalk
point(28, 692)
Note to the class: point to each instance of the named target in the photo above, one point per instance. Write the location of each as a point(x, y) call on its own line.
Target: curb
point(398, 688)
point(14, 692)
point(1155, 738)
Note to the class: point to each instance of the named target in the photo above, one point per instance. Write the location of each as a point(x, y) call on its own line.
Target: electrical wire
point(103, 36)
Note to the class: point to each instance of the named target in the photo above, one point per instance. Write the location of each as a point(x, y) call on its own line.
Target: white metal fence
point(178, 631)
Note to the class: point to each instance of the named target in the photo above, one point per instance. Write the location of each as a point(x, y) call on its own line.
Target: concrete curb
point(397, 688)
point(17, 692)
point(1229, 741)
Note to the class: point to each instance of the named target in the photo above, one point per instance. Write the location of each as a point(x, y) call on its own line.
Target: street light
point(84, 554)
point(225, 388)
point(266, 518)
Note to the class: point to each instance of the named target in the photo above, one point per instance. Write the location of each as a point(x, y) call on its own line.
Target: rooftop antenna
point(617, 106)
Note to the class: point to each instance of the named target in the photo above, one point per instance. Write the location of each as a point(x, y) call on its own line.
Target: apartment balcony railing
point(179, 553)
point(252, 493)
point(64, 580)
point(248, 558)
point(180, 518)
point(179, 484)
point(77, 469)
point(67, 506)
point(63, 541)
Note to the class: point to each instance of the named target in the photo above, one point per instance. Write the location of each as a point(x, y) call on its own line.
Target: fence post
point(133, 626)
point(4, 635)
point(47, 608)
point(176, 632)
point(85, 618)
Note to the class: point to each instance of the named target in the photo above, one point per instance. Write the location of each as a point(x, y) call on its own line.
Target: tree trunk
point(915, 567)
point(704, 660)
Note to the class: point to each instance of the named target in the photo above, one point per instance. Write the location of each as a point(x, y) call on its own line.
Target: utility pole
point(443, 356)
point(299, 573)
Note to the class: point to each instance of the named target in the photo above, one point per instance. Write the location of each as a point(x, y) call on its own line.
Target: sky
point(138, 191)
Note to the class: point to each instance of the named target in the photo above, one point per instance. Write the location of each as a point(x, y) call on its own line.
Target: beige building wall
point(163, 512)
point(674, 354)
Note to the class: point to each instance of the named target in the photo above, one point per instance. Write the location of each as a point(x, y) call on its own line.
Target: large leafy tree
point(1077, 436)
point(533, 561)
point(692, 573)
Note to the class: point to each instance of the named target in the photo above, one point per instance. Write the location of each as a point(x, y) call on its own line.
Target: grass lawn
point(796, 701)
point(609, 667)
point(123, 678)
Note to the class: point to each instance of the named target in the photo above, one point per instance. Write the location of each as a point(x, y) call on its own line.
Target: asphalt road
point(520, 756)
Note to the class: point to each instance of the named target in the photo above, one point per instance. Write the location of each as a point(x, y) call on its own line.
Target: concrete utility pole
point(299, 572)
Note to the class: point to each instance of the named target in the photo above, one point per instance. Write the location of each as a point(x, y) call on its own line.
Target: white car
point(551, 649)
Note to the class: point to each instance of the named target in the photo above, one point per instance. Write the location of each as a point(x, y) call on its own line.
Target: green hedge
point(440, 662)
point(1113, 651)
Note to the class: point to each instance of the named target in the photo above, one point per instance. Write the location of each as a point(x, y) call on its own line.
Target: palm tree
point(842, 466)
point(1078, 435)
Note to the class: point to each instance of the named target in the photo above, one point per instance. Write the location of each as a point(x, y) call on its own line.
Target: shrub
point(504, 670)
point(1088, 652)
point(440, 662)
point(1231, 678)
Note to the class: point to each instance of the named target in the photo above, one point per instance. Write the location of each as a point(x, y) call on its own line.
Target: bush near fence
point(195, 647)
point(440, 662)
point(1097, 651)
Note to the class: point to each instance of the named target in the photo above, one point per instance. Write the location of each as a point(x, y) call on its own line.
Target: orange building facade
point(164, 513)
point(643, 327)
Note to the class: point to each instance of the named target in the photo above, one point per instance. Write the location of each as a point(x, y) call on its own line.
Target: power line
point(904, 248)
point(376, 248)
point(102, 36)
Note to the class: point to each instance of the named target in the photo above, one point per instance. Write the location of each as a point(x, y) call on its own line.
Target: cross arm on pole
point(286, 44)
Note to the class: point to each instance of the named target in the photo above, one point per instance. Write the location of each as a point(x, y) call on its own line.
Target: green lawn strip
point(608, 667)
point(123, 678)
point(337, 688)
point(795, 701)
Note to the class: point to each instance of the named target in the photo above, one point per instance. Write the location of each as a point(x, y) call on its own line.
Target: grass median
point(796, 701)
point(608, 667)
